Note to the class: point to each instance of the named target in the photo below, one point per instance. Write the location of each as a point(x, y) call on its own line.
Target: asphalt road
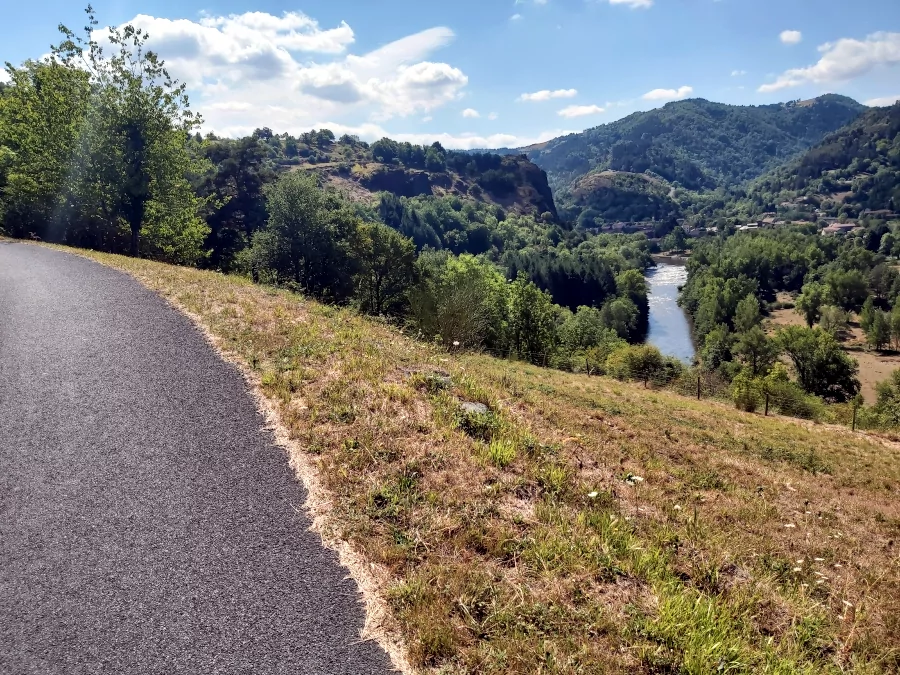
point(147, 523)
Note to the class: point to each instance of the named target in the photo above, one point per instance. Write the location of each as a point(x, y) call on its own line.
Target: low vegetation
point(527, 520)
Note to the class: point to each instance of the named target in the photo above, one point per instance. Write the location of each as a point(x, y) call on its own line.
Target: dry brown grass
point(521, 541)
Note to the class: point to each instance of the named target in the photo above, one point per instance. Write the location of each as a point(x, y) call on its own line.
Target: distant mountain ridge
point(694, 144)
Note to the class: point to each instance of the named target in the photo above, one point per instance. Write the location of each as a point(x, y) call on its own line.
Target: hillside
point(361, 170)
point(694, 144)
point(853, 170)
point(578, 525)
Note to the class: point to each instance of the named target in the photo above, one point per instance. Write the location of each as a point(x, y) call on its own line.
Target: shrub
point(638, 362)
point(746, 392)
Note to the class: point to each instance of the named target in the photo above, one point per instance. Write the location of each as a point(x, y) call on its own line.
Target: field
point(571, 524)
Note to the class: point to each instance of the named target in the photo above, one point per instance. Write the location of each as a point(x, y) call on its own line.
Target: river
point(669, 330)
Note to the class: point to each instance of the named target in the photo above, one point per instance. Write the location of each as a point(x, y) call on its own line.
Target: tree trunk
point(135, 241)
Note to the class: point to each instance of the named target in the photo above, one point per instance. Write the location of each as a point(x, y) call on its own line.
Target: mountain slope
point(853, 169)
point(694, 144)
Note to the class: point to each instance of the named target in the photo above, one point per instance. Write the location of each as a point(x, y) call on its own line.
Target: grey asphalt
point(147, 523)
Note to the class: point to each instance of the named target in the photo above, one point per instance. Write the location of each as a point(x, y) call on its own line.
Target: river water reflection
point(669, 330)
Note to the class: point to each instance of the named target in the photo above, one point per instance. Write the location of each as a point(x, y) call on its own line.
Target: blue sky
point(488, 73)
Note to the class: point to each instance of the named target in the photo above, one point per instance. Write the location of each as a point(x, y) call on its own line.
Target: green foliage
point(746, 392)
point(99, 175)
point(309, 240)
point(385, 269)
point(810, 301)
point(460, 300)
point(887, 407)
point(746, 315)
point(532, 321)
point(641, 362)
point(717, 348)
point(755, 350)
point(860, 162)
point(822, 367)
point(878, 332)
point(847, 289)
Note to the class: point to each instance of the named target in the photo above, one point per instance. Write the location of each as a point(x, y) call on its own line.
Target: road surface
point(147, 523)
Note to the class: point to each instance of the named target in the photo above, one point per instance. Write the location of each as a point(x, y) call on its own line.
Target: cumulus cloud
point(546, 95)
point(580, 111)
point(668, 94)
point(633, 4)
point(791, 37)
point(4, 76)
point(883, 101)
point(842, 61)
point(471, 113)
point(293, 30)
point(516, 17)
point(294, 72)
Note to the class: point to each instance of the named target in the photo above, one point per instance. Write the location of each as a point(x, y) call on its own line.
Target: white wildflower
point(593, 495)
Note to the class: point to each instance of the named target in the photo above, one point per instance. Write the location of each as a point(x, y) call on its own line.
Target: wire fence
point(783, 398)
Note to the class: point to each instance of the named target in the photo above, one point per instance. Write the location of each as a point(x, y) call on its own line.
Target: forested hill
point(361, 170)
point(853, 169)
point(697, 143)
point(694, 145)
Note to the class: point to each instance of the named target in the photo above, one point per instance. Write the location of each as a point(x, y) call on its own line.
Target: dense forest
point(853, 170)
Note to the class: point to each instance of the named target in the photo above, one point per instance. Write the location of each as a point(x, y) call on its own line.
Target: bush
point(638, 362)
point(746, 392)
point(786, 397)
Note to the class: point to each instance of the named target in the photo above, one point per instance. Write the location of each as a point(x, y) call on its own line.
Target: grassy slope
point(751, 545)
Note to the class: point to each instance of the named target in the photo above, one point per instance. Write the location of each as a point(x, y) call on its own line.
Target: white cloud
point(738, 73)
point(841, 61)
point(668, 94)
point(493, 116)
point(883, 101)
point(4, 76)
point(293, 31)
point(633, 4)
point(791, 37)
point(427, 118)
point(471, 113)
point(255, 57)
point(580, 111)
point(546, 95)
point(516, 17)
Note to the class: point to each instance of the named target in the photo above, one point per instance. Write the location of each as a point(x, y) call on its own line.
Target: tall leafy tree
point(310, 238)
point(810, 301)
point(41, 119)
point(386, 268)
point(132, 162)
point(532, 321)
point(822, 367)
